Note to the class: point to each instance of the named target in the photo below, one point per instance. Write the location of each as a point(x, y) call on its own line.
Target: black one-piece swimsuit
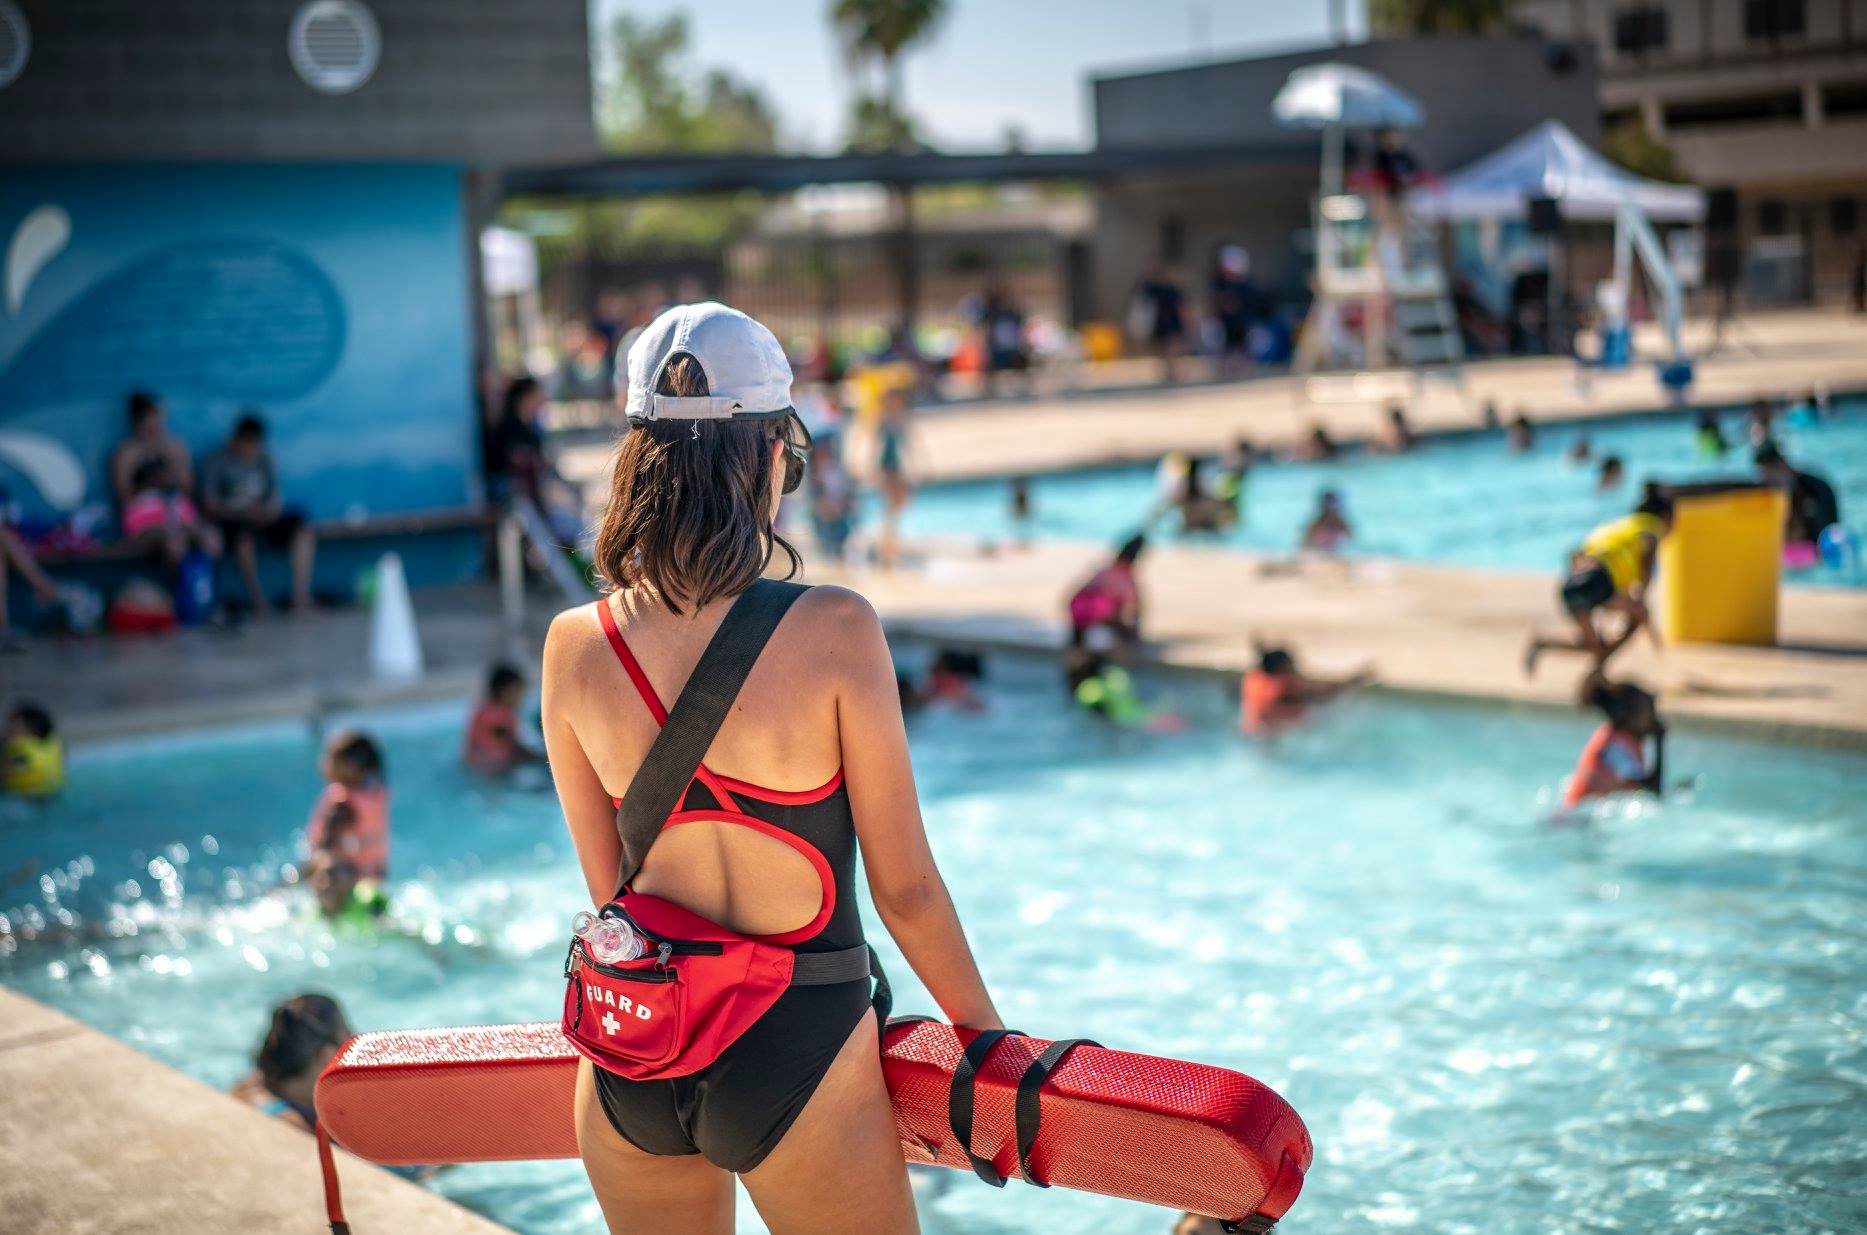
point(737, 1109)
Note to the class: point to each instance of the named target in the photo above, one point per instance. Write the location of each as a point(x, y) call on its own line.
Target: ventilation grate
point(334, 45)
point(15, 43)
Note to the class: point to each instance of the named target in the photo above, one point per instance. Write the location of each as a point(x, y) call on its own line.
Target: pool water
point(1465, 499)
point(1654, 1022)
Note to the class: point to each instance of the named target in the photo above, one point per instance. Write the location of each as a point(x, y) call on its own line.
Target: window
point(1640, 30)
point(1769, 20)
point(1844, 216)
point(1848, 98)
point(1772, 218)
point(1751, 109)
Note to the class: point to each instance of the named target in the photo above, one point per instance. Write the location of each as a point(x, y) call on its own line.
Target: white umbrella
point(1551, 161)
point(1336, 97)
point(1319, 95)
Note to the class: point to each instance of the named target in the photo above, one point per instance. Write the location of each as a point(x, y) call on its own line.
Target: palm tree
point(1429, 17)
point(880, 31)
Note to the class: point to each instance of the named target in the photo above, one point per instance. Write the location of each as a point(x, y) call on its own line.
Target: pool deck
point(1784, 352)
point(102, 1139)
point(1121, 414)
point(1437, 631)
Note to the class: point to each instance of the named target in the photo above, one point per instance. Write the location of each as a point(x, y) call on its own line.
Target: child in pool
point(1329, 528)
point(32, 759)
point(493, 746)
point(1277, 693)
point(305, 1033)
point(1103, 688)
point(351, 817)
point(950, 680)
point(1614, 760)
point(1708, 437)
point(1612, 473)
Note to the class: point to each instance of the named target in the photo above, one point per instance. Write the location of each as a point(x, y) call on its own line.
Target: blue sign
point(331, 299)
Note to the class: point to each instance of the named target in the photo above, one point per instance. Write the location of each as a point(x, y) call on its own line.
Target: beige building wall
point(1780, 120)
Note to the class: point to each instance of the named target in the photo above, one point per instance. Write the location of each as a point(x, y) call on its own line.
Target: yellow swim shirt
point(1619, 547)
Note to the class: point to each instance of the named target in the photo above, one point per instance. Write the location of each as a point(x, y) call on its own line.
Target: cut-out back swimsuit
point(736, 1110)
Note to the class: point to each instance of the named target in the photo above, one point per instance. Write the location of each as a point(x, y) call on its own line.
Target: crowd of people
point(179, 522)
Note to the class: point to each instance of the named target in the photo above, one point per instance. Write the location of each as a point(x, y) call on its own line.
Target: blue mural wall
point(333, 299)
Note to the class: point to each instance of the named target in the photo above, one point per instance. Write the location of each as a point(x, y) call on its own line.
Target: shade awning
point(1551, 161)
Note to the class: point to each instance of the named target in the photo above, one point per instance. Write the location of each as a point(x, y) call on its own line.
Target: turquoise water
point(1654, 1023)
point(1465, 500)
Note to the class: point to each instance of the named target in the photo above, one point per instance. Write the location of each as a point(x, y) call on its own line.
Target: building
point(1477, 94)
point(269, 204)
point(1767, 98)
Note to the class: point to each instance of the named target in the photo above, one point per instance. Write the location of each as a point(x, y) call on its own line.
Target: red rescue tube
point(1163, 1131)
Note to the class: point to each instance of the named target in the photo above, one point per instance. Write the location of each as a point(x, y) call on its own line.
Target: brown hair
point(690, 510)
point(301, 1028)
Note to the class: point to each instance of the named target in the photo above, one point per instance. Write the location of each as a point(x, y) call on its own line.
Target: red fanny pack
point(698, 985)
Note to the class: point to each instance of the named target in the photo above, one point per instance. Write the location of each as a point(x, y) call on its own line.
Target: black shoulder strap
point(697, 716)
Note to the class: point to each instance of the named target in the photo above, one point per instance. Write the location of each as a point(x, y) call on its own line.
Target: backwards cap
point(748, 377)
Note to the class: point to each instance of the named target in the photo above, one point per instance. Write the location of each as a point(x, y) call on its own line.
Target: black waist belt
point(830, 968)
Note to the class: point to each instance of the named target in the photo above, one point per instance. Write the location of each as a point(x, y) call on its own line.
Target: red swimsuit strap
point(646, 689)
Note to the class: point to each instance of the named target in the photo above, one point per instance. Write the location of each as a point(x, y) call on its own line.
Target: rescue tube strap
point(333, 1198)
point(696, 717)
point(1256, 1224)
point(1029, 1105)
point(960, 1099)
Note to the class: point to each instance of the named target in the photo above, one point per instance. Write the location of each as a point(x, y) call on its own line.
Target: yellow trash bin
point(1721, 568)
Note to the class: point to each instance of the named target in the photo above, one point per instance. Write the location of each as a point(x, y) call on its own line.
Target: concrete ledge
point(100, 1139)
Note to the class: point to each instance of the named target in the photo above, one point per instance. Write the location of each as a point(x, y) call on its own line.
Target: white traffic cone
point(395, 645)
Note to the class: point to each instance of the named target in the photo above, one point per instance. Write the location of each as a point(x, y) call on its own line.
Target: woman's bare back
point(781, 738)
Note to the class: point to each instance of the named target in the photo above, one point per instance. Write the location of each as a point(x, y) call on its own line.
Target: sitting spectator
point(15, 554)
point(149, 441)
point(240, 492)
point(1813, 506)
point(493, 746)
point(32, 759)
point(1110, 599)
point(515, 446)
point(158, 514)
point(305, 1034)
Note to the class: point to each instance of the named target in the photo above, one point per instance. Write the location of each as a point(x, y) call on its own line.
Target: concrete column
point(1653, 118)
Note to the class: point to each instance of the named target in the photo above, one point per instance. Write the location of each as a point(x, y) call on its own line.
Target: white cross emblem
point(611, 1024)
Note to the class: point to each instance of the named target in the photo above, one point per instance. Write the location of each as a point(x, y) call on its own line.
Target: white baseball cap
point(748, 377)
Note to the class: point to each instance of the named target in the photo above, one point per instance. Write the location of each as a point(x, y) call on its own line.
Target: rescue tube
point(1074, 1114)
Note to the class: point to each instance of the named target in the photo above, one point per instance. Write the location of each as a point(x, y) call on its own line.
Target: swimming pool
point(1655, 1023)
point(1463, 499)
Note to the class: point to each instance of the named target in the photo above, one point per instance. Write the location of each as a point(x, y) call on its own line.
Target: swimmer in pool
point(1522, 436)
point(351, 817)
point(1614, 760)
point(32, 758)
point(493, 746)
point(1328, 530)
point(1103, 688)
point(1276, 693)
point(1581, 450)
point(1610, 574)
point(1708, 437)
point(305, 1033)
point(952, 680)
point(1613, 472)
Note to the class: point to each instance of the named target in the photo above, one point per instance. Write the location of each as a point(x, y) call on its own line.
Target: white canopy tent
point(1551, 161)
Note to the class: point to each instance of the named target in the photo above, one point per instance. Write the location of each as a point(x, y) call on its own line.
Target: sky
point(991, 64)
